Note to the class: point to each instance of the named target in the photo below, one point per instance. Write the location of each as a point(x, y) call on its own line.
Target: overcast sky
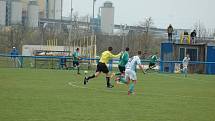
point(180, 13)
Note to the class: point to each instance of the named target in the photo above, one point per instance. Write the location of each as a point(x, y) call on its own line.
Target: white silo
point(16, 12)
point(107, 18)
point(58, 9)
point(53, 9)
point(2, 13)
point(33, 14)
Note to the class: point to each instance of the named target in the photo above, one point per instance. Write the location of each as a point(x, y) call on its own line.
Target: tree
point(201, 31)
point(146, 37)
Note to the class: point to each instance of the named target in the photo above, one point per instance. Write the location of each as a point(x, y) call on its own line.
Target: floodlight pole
point(93, 16)
point(70, 29)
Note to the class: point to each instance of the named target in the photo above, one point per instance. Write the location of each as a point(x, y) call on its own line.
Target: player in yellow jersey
point(102, 66)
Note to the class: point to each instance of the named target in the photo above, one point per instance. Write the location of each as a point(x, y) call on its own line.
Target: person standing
point(63, 60)
point(170, 32)
point(185, 63)
point(193, 36)
point(14, 56)
point(102, 67)
point(76, 59)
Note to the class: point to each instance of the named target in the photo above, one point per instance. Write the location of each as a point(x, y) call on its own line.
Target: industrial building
point(13, 12)
point(2, 13)
point(41, 4)
point(53, 9)
point(16, 12)
point(33, 14)
point(28, 12)
point(107, 18)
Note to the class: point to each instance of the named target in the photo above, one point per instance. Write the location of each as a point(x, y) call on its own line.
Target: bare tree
point(201, 31)
point(146, 37)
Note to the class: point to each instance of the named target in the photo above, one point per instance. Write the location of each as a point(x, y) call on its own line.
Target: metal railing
point(58, 62)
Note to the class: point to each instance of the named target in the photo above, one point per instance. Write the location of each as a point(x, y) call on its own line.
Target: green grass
point(45, 95)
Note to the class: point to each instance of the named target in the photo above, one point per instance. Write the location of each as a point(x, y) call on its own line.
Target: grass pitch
point(54, 95)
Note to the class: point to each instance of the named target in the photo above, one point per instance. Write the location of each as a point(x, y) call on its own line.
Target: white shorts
point(129, 74)
point(185, 68)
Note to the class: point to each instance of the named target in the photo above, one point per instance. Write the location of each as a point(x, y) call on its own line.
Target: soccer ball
point(85, 72)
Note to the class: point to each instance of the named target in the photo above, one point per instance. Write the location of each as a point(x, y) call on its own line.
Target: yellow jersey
point(107, 55)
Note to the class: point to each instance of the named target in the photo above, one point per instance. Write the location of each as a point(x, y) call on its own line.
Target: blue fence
point(57, 62)
point(54, 62)
point(194, 66)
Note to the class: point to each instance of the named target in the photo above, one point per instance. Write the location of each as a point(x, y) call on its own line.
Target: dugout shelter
point(202, 57)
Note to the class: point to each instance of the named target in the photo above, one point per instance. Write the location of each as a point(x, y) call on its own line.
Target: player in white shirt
point(185, 64)
point(130, 71)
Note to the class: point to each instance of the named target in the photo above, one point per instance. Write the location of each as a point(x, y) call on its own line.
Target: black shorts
point(75, 63)
point(101, 67)
point(169, 34)
point(151, 64)
point(121, 69)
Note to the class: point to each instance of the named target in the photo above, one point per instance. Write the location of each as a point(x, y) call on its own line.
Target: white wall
point(27, 50)
point(107, 20)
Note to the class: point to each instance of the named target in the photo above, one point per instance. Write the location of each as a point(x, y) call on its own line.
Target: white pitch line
point(73, 84)
point(84, 87)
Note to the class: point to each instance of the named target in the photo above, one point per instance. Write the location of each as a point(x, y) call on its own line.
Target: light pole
point(93, 16)
point(93, 7)
point(70, 32)
point(61, 12)
point(70, 29)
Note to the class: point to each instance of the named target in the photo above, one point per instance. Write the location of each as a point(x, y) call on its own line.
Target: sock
point(185, 72)
point(90, 77)
point(131, 87)
point(108, 81)
point(123, 80)
point(78, 69)
point(117, 73)
point(147, 69)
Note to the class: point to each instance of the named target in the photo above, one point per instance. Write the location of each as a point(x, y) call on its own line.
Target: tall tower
point(53, 9)
point(2, 13)
point(33, 14)
point(107, 18)
point(41, 4)
point(16, 12)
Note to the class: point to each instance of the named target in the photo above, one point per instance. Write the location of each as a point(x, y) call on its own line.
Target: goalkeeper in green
point(153, 61)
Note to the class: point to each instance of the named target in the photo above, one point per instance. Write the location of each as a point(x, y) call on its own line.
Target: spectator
point(14, 56)
point(170, 31)
point(14, 52)
point(63, 61)
point(193, 36)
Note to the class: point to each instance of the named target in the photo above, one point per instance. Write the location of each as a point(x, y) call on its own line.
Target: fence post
point(110, 65)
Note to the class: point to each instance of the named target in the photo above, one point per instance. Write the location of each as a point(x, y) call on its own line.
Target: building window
point(193, 52)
